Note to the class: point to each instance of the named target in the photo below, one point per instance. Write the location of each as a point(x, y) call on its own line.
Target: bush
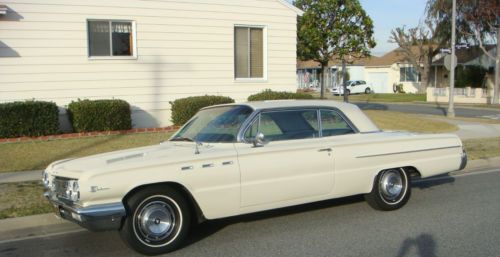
point(99, 115)
point(30, 118)
point(470, 76)
point(268, 94)
point(185, 108)
point(398, 88)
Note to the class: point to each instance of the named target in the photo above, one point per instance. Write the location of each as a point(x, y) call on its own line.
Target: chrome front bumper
point(95, 218)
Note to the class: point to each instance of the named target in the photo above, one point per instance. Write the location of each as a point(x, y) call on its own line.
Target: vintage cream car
point(241, 158)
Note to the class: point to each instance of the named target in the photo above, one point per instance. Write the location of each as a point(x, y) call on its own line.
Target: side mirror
point(259, 140)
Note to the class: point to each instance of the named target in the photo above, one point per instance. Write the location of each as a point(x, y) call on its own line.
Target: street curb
point(34, 226)
point(14, 229)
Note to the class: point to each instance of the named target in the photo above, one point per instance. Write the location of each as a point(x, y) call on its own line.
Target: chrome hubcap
point(391, 185)
point(156, 221)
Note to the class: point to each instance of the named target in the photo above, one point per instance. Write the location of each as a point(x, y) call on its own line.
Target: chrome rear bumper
point(463, 162)
point(95, 218)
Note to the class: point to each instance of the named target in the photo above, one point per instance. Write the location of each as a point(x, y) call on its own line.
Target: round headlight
point(73, 190)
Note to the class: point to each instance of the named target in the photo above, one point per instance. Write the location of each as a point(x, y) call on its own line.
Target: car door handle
point(325, 150)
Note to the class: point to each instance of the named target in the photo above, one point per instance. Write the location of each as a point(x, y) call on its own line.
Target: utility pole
point(344, 84)
point(497, 66)
point(451, 110)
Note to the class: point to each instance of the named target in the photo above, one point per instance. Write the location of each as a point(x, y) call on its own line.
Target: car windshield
point(219, 124)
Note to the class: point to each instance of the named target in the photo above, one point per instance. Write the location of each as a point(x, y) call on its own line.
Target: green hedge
point(185, 108)
point(100, 115)
point(470, 76)
point(273, 95)
point(30, 118)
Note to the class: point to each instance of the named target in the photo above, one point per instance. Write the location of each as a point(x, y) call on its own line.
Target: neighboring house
point(147, 52)
point(480, 91)
point(473, 56)
point(381, 73)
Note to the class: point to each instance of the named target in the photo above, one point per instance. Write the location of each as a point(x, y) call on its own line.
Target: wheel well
point(412, 171)
point(409, 170)
point(195, 208)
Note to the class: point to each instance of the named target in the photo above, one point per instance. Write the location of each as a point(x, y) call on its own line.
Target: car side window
point(285, 125)
point(333, 124)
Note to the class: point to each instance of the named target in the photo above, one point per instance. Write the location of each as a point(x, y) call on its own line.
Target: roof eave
point(292, 7)
point(3, 10)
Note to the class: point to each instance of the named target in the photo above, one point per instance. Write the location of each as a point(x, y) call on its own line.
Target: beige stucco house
point(381, 73)
point(147, 52)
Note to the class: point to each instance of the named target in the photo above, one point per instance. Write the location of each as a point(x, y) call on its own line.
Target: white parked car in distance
point(353, 87)
point(241, 158)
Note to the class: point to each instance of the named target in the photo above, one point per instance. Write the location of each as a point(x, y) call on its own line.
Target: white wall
point(185, 48)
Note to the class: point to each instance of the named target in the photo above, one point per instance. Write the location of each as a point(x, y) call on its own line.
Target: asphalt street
point(432, 109)
point(446, 216)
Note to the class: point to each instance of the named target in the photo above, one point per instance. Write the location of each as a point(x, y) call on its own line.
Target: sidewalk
point(20, 176)
point(470, 129)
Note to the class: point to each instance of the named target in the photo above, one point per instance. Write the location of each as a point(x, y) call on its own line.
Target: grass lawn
point(400, 98)
point(482, 148)
point(37, 155)
point(388, 120)
point(22, 199)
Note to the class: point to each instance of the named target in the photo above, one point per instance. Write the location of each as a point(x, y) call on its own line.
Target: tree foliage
point(333, 29)
point(476, 20)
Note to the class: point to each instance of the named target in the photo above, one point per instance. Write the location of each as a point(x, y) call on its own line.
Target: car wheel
point(348, 92)
point(368, 90)
point(391, 190)
point(158, 220)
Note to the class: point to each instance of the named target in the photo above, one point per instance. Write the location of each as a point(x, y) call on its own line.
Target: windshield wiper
point(182, 139)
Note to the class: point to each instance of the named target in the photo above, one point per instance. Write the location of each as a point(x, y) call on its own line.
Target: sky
point(389, 14)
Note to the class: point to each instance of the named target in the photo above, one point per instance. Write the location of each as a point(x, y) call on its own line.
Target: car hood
point(162, 154)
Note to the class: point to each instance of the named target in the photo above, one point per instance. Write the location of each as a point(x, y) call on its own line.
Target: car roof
point(353, 113)
point(272, 104)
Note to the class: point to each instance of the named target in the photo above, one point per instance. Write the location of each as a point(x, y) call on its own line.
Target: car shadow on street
point(433, 181)
point(208, 228)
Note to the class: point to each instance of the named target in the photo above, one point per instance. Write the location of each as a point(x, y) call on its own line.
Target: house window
point(409, 74)
point(249, 52)
point(111, 38)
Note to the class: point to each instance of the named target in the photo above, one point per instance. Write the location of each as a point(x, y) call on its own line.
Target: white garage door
point(379, 82)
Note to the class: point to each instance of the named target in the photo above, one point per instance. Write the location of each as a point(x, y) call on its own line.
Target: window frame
point(258, 119)
point(264, 57)
point(341, 115)
point(256, 116)
point(405, 78)
point(111, 57)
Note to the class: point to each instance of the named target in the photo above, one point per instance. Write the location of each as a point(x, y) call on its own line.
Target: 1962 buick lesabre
point(241, 158)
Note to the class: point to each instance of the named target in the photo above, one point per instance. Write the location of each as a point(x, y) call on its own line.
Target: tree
point(418, 46)
point(478, 23)
point(333, 29)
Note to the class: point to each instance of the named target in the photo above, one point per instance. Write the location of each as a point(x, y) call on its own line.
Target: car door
point(295, 164)
point(355, 87)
